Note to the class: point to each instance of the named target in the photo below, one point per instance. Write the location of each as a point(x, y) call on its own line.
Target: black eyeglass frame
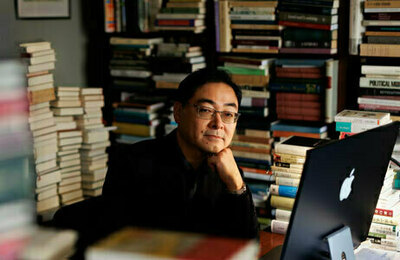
point(214, 113)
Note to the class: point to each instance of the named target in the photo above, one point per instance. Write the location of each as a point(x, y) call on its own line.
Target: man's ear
point(178, 111)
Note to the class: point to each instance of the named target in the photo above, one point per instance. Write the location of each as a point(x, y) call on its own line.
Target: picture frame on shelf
point(39, 9)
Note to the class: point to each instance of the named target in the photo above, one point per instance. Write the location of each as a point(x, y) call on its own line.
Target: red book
point(281, 96)
point(309, 25)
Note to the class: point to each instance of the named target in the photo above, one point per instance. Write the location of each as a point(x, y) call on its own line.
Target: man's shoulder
point(149, 146)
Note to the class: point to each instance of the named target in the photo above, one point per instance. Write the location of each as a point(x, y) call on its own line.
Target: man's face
point(207, 135)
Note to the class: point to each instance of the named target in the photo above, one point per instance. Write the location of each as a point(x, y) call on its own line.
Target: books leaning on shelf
point(130, 243)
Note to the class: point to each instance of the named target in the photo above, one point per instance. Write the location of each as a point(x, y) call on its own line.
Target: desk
point(269, 240)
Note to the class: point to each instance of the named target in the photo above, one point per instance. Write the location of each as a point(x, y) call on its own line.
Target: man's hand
point(224, 164)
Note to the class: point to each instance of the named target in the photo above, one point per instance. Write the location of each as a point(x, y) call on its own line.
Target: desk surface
point(269, 240)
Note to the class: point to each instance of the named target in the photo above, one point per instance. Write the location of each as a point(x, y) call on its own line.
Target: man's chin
point(213, 149)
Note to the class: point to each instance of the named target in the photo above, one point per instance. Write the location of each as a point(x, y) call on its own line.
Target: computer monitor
point(323, 205)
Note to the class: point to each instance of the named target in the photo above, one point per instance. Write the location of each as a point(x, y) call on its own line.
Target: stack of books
point(66, 105)
point(130, 63)
point(311, 26)
point(254, 27)
point(174, 61)
point(349, 122)
point(40, 59)
point(95, 140)
point(283, 129)
point(289, 158)
point(69, 138)
point(16, 178)
point(301, 89)
point(182, 15)
point(138, 116)
point(384, 229)
point(379, 89)
point(381, 20)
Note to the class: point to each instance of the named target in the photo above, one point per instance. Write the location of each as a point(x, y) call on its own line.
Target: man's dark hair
point(197, 79)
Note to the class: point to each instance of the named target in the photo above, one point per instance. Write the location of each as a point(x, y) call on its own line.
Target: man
point(187, 180)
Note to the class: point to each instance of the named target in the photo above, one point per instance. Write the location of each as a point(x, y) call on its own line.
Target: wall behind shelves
point(68, 38)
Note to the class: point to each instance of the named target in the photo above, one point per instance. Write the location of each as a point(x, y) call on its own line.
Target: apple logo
point(346, 186)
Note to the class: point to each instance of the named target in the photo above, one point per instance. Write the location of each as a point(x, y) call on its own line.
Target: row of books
point(277, 26)
point(382, 32)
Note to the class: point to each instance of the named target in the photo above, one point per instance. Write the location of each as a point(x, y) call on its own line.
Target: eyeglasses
point(227, 117)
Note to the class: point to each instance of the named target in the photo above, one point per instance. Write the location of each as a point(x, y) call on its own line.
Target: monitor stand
point(341, 244)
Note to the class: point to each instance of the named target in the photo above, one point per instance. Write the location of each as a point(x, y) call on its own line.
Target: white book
point(42, 189)
point(69, 163)
point(70, 174)
point(48, 179)
point(41, 116)
point(376, 69)
point(50, 203)
point(363, 117)
point(68, 89)
point(61, 119)
point(39, 111)
point(70, 169)
point(68, 157)
point(42, 53)
point(31, 47)
point(92, 185)
point(69, 141)
point(96, 175)
point(45, 194)
point(61, 153)
point(69, 188)
point(287, 181)
point(44, 166)
point(41, 123)
point(62, 126)
point(47, 78)
point(95, 136)
point(39, 106)
point(69, 181)
point(67, 111)
point(279, 226)
point(70, 147)
point(45, 157)
point(67, 134)
point(93, 193)
point(378, 101)
point(91, 91)
point(43, 131)
point(71, 195)
point(41, 67)
point(43, 86)
point(381, 83)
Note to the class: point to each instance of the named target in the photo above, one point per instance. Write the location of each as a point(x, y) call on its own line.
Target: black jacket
point(151, 184)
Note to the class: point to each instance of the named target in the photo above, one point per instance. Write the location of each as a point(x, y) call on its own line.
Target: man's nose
point(216, 122)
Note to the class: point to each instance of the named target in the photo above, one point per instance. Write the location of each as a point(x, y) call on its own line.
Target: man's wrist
point(239, 191)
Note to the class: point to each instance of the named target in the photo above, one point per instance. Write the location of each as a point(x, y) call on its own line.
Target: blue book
point(283, 190)
point(295, 87)
point(300, 62)
point(298, 127)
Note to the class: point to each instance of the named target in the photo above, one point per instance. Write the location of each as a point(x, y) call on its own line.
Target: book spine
point(385, 220)
point(282, 190)
point(379, 50)
point(317, 26)
point(289, 158)
point(281, 202)
point(287, 181)
point(281, 214)
point(353, 127)
point(225, 35)
point(383, 108)
point(276, 168)
point(258, 176)
point(380, 83)
point(279, 226)
point(384, 70)
point(217, 25)
point(287, 174)
point(109, 18)
point(307, 18)
point(378, 101)
point(309, 44)
point(384, 229)
point(381, 4)
point(355, 28)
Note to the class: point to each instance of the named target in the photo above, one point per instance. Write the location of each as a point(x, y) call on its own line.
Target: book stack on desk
point(349, 122)
point(285, 128)
point(289, 158)
point(69, 138)
point(384, 229)
point(39, 58)
point(95, 140)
